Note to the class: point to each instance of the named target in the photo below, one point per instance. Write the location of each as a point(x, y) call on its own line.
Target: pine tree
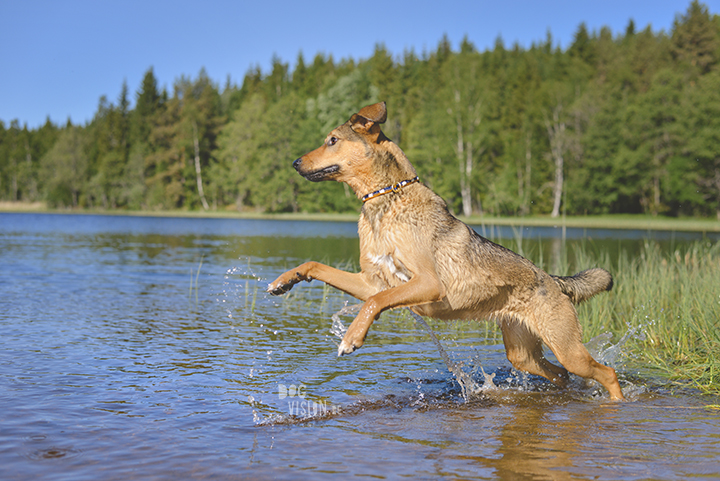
point(695, 39)
point(583, 46)
point(147, 104)
point(276, 84)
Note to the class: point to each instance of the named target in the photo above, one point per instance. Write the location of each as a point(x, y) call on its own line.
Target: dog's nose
point(297, 163)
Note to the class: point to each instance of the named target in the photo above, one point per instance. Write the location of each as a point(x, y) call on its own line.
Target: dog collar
point(392, 188)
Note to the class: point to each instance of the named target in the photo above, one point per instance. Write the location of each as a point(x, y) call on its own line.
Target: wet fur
point(414, 253)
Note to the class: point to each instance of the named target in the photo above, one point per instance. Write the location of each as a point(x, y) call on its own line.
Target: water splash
point(338, 328)
point(234, 288)
point(468, 386)
point(602, 349)
point(615, 355)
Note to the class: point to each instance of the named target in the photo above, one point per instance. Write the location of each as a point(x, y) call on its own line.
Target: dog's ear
point(372, 114)
point(376, 112)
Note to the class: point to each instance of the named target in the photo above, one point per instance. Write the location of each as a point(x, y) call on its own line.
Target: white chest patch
point(388, 263)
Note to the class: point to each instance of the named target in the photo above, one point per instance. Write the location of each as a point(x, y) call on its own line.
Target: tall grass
point(675, 297)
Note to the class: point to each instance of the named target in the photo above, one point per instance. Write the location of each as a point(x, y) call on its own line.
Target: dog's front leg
point(353, 284)
point(418, 290)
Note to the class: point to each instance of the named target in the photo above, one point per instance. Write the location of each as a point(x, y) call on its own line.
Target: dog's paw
point(277, 290)
point(284, 283)
point(354, 339)
point(345, 348)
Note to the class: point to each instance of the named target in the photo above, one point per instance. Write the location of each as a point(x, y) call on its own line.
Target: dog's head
point(357, 153)
point(345, 147)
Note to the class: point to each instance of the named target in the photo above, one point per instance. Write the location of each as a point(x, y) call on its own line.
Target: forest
point(625, 123)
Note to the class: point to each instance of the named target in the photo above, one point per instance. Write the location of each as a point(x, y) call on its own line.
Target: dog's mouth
point(322, 174)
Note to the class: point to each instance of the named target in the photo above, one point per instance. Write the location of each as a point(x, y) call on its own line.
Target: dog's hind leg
point(565, 340)
point(578, 360)
point(525, 351)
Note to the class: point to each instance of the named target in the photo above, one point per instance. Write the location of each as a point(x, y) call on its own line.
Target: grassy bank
point(23, 207)
point(616, 221)
point(675, 299)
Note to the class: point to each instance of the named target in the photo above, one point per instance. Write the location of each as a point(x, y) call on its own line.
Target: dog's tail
point(583, 285)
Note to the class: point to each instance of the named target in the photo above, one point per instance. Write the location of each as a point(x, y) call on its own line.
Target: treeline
point(613, 124)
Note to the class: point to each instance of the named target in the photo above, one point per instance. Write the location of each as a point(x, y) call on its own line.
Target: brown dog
point(414, 253)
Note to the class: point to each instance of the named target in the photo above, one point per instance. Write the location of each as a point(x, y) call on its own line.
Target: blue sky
point(57, 57)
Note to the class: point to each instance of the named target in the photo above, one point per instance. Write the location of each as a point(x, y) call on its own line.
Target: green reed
point(675, 297)
point(197, 278)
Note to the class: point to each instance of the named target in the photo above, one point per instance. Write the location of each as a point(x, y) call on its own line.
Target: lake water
point(146, 348)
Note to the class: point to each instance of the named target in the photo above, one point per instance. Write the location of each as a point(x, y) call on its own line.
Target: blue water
point(146, 348)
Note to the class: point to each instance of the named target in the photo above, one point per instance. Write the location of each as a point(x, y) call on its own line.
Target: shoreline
point(608, 221)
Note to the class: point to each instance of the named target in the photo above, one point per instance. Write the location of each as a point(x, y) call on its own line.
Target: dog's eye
point(332, 141)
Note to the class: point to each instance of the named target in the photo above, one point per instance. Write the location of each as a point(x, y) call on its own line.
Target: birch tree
point(65, 168)
point(557, 135)
point(466, 110)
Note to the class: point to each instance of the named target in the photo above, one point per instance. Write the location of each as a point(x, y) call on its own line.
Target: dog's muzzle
point(316, 175)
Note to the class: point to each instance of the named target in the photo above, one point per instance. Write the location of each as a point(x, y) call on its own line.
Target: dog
point(414, 253)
